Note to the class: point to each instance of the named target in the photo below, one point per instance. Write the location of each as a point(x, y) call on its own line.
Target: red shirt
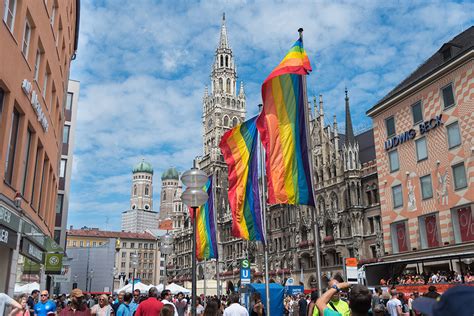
point(149, 307)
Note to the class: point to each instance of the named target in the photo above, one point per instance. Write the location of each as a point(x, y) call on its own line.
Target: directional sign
point(245, 272)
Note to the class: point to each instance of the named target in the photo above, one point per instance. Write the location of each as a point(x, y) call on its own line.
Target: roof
point(460, 44)
point(108, 234)
point(143, 166)
point(170, 174)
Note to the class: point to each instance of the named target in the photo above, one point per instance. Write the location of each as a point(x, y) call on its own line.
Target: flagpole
point(218, 278)
point(263, 207)
point(310, 161)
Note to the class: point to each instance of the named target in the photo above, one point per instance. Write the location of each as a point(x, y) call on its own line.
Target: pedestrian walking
point(151, 306)
point(166, 298)
point(45, 306)
point(24, 310)
point(235, 309)
point(103, 308)
point(258, 308)
point(78, 306)
point(212, 308)
point(124, 308)
point(394, 305)
point(181, 304)
point(32, 299)
point(167, 310)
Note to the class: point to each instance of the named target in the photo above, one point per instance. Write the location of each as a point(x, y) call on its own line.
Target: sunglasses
point(44, 294)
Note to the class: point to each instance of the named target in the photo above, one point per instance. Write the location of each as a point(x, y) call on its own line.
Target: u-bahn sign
point(245, 272)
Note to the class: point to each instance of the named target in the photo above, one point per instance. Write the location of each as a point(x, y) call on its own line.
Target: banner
point(466, 224)
point(53, 263)
point(401, 237)
point(431, 231)
point(65, 276)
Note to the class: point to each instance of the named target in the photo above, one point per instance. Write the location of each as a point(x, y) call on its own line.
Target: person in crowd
point(45, 306)
point(151, 306)
point(359, 300)
point(124, 308)
point(5, 301)
point(118, 302)
point(181, 304)
point(167, 310)
point(212, 308)
point(103, 308)
point(257, 308)
point(78, 306)
point(457, 301)
point(432, 292)
point(199, 306)
point(166, 298)
point(23, 310)
point(302, 305)
point(312, 309)
point(394, 305)
point(32, 299)
point(136, 296)
point(336, 303)
point(376, 298)
point(403, 300)
point(235, 309)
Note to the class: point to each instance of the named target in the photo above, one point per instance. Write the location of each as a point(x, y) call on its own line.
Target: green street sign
point(53, 263)
point(31, 267)
point(245, 264)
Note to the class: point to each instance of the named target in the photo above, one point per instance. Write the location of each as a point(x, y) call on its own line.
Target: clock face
point(147, 207)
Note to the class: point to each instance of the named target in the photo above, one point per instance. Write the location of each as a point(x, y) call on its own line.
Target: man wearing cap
point(77, 306)
point(45, 306)
point(457, 301)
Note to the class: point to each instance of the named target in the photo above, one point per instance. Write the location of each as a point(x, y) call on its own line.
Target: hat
point(77, 293)
point(455, 301)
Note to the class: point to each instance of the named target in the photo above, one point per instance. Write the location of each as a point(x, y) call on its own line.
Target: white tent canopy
point(138, 286)
point(26, 288)
point(175, 289)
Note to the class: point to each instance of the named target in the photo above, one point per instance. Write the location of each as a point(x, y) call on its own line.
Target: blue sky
point(143, 66)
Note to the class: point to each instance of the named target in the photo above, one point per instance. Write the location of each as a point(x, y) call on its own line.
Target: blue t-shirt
point(123, 310)
point(329, 312)
point(43, 309)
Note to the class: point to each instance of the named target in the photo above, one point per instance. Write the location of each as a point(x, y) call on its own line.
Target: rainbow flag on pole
point(206, 243)
point(282, 127)
point(239, 147)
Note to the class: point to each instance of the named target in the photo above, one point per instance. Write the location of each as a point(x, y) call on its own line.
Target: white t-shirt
point(392, 306)
point(4, 300)
point(236, 310)
point(170, 303)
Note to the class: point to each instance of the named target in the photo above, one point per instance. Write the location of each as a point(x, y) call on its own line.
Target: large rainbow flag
point(239, 147)
point(206, 243)
point(282, 127)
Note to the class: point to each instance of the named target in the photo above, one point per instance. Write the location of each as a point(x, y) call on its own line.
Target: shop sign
point(8, 237)
point(34, 234)
point(27, 88)
point(424, 128)
point(53, 263)
point(29, 250)
point(65, 276)
point(9, 219)
point(31, 267)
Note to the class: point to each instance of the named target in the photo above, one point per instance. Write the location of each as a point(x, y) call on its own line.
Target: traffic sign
point(245, 272)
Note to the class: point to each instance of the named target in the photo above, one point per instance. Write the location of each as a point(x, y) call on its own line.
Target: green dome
point(170, 174)
point(143, 166)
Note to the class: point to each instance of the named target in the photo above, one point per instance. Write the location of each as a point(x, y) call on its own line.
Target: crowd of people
point(339, 299)
point(430, 278)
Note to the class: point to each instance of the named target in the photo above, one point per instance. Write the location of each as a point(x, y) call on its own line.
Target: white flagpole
point(310, 161)
point(263, 207)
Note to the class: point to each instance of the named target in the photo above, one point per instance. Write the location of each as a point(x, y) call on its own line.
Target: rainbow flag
point(282, 127)
point(206, 243)
point(239, 147)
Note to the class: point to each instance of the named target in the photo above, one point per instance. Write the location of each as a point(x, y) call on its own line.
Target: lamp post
point(91, 276)
point(194, 196)
point(166, 248)
point(134, 261)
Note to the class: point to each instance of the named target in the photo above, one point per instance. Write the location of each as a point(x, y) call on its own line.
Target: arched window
point(235, 121)
point(164, 195)
point(228, 102)
point(328, 228)
point(233, 104)
point(227, 61)
point(350, 160)
point(222, 61)
point(147, 190)
point(226, 120)
point(221, 84)
point(334, 202)
point(227, 86)
point(134, 190)
point(238, 104)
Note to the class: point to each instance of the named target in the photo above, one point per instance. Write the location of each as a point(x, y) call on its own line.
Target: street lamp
point(166, 249)
point(194, 196)
point(134, 262)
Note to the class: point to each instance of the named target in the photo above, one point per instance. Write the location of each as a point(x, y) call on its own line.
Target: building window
point(26, 159)
point(145, 256)
point(9, 14)
point(426, 187)
point(37, 63)
point(448, 96)
point(81, 244)
point(122, 265)
point(371, 225)
point(373, 251)
point(394, 162)
point(454, 136)
point(151, 246)
point(69, 101)
point(390, 125)
point(11, 149)
point(66, 130)
point(429, 232)
point(62, 168)
point(463, 223)
point(53, 14)
point(397, 196)
point(417, 112)
point(132, 245)
point(145, 245)
point(59, 203)
point(459, 174)
point(74, 244)
point(26, 39)
point(124, 245)
point(94, 244)
point(421, 150)
point(45, 82)
point(147, 190)
point(139, 246)
point(400, 240)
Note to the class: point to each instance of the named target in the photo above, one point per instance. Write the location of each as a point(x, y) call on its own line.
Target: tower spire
point(223, 42)
point(349, 130)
